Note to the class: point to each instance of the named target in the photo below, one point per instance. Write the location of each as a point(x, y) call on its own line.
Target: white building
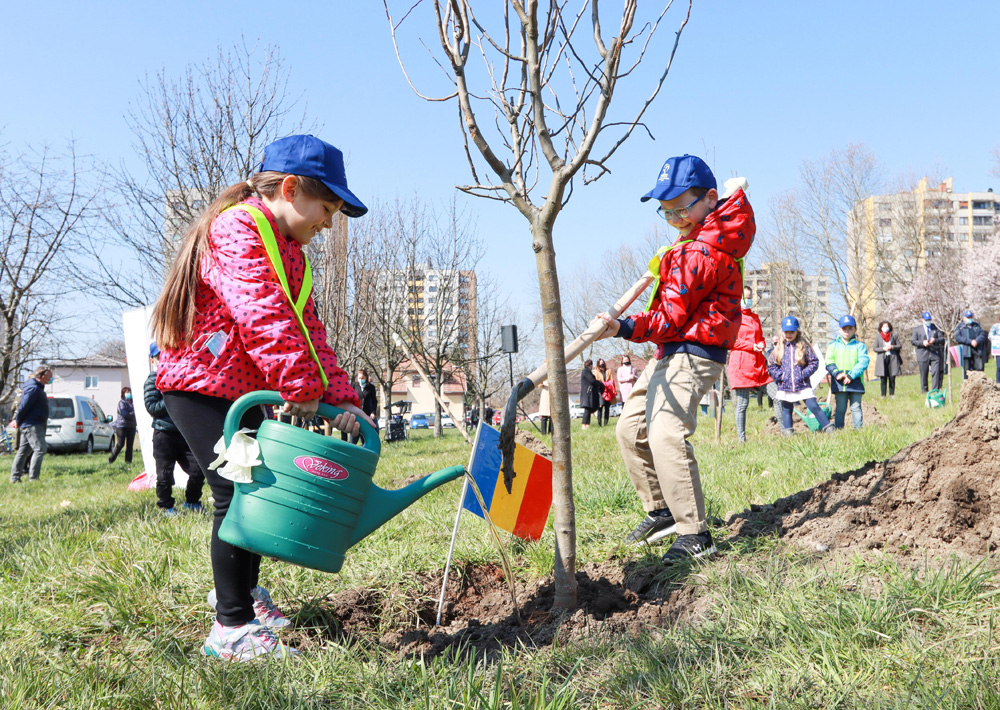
point(98, 377)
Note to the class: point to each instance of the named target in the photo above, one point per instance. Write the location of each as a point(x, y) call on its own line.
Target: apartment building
point(780, 291)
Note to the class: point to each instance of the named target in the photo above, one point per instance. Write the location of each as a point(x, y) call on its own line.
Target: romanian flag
point(525, 510)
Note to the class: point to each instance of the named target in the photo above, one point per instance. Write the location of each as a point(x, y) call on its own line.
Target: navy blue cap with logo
point(680, 174)
point(789, 324)
point(848, 322)
point(309, 156)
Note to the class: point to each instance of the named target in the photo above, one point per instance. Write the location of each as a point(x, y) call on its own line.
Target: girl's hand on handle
point(306, 410)
point(349, 422)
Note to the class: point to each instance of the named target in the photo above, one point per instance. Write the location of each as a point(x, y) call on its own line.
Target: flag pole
point(458, 518)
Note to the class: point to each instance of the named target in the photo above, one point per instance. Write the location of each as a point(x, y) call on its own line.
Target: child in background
point(846, 361)
point(791, 364)
point(994, 337)
point(693, 318)
point(748, 366)
point(230, 321)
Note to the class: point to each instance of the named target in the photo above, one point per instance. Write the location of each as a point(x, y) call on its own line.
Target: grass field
point(102, 601)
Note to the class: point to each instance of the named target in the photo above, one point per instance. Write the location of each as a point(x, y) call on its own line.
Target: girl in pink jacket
point(235, 316)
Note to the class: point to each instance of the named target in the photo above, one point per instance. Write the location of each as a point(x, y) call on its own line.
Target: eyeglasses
point(680, 212)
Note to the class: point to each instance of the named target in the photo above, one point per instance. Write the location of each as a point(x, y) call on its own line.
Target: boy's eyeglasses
point(680, 212)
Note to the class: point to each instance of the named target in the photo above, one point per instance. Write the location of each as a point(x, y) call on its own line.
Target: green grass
point(102, 601)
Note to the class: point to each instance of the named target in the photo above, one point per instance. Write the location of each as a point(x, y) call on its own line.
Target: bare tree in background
point(114, 349)
point(45, 209)
point(485, 364)
point(545, 95)
point(194, 135)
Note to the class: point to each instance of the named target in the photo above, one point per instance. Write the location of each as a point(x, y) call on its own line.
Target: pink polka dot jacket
point(239, 296)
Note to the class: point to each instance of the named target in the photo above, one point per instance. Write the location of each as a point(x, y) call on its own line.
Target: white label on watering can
point(321, 467)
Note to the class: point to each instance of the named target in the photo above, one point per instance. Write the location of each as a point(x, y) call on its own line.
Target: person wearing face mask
point(888, 362)
point(124, 426)
point(995, 342)
point(748, 366)
point(369, 397)
point(974, 343)
point(928, 344)
point(627, 375)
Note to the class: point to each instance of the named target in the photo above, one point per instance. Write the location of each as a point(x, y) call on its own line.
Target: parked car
point(419, 421)
point(615, 410)
point(446, 422)
point(78, 423)
point(575, 411)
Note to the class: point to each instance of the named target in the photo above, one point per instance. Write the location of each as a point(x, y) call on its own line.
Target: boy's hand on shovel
point(611, 326)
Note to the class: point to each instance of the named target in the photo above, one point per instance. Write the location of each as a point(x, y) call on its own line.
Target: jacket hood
point(730, 228)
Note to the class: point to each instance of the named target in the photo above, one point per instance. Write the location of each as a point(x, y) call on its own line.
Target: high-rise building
point(780, 291)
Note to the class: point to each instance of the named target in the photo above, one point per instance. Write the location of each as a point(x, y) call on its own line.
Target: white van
point(78, 424)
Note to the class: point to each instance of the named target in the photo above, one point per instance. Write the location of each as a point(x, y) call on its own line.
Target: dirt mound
point(478, 614)
point(870, 413)
point(532, 443)
point(940, 494)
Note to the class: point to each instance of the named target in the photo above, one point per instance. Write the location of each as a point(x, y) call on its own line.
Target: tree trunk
point(564, 510)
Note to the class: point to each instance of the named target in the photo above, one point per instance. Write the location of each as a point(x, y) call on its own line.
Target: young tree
point(45, 209)
point(195, 136)
point(549, 97)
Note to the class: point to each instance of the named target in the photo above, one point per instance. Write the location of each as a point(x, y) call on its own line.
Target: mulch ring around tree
point(940, 495)
point(478, 614)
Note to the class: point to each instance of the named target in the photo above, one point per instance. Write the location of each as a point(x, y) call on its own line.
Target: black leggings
point(892, 384)
point(200, 419)
point(603, 413)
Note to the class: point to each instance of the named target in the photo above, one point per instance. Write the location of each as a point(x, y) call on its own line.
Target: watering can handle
point(328, 411)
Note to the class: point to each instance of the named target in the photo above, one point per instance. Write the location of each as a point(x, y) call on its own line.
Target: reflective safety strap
point(274, 256)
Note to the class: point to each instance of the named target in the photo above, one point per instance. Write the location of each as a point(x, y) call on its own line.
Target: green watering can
point(313, 496)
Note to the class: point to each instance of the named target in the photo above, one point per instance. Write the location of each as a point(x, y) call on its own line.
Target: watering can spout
point(382, 505)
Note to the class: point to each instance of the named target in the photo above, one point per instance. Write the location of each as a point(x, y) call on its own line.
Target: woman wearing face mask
point(888, 360)
point(974, 343)
point(369, 398)
point(124, 426)
point(627, 375)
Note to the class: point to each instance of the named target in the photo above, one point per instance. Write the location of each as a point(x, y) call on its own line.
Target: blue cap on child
point(926, 315)
point(789, 324)
point(680, 174)
point(309, 156)
point(153, 350)
point(848, 322)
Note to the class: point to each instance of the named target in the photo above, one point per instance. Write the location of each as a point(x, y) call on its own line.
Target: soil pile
point(940, 494)
point(532, 443)
point(870, 413)
point(478, 613)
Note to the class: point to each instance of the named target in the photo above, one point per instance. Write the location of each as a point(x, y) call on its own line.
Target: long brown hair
point(801, 347)
point(174, 313)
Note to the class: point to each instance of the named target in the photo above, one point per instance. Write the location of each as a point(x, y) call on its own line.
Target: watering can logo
point(312, 497)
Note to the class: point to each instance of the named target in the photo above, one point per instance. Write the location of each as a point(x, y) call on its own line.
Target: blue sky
point(756, 88)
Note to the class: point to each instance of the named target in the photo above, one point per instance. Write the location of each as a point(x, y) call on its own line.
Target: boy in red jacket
point(693, 317)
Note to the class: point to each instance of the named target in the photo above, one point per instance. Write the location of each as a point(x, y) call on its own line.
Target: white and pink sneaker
point(264, 609)
point(244, 643)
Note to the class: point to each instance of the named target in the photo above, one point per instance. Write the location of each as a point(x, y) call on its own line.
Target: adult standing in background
point(995, 344)
point(369, 398)
point(627, 375)
point(124, 426)
point(608, 391)
point(31, 418)
point(974, 342)
point(747, 364)
point(590, 392)
point(928, 342)
point(888, 360)
point(545, 407)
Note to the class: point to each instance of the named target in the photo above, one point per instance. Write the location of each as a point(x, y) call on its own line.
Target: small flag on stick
point(525, 510)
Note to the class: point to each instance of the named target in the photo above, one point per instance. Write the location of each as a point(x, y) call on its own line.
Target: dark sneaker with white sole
point(651, 529)
point(690, 547)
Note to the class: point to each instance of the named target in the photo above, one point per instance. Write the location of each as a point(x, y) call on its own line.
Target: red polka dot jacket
point(239, 295)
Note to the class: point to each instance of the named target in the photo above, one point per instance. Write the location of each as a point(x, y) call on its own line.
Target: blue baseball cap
point(967, 314)
point(789, 324)
point(309, 156)
point(926, 315)
point(680, 174)
point(847, 321)
point(153, 350)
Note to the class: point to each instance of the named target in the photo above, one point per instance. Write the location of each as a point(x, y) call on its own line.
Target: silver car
point(78, 423)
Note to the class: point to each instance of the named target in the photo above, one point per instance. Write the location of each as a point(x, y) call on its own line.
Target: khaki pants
point(659, 415)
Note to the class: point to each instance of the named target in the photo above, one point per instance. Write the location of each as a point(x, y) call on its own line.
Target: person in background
point(790, 365)
point(627, 375)
point(889, 362)
point(747, 365)
point(846, 361)
point(31, 419)
point(609, 392)
point(170, 449)
point(995, 344)
point(545, 408)
point(590, 392)
point(928, 342)
point(124, 426)
point(975, 344)
point(369, 398)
